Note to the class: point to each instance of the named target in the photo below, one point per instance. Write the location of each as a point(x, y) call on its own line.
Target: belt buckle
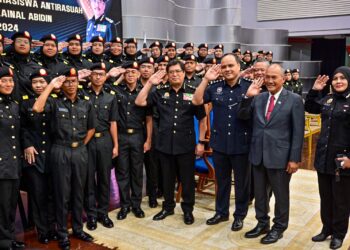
point(74, 144)
point(98, 135)
point(130, 130)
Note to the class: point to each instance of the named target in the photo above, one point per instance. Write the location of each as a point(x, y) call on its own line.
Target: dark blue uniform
point(230, 138)
point(103, 26)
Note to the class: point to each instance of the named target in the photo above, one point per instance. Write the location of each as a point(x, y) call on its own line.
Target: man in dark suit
point(275, 151)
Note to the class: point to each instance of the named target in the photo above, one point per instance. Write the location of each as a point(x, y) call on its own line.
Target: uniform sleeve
point(152, 98)
point(207, 94)
point(312, 102)
point(91, 117)
point(114, 116)
point(200, 112)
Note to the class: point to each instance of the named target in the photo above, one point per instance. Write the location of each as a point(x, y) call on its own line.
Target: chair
point(312, 126)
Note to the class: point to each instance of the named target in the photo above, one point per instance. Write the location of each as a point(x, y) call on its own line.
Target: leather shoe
point(257, 231)
point(335, 243)
point(153, 203)
point(52, 235)
point(237, 224)
point(272, 237)
point(320, 237)
point(123, 213)
point(91, 223)
point(216, 219)
point(163, 214)
point(64, 243)
point(188, 218)
point(43, 238)
point(83, 236)
point(18, 244)
point(138, 212)
point(105, 221)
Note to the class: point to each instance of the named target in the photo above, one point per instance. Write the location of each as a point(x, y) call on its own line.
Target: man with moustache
point(191, 79)
point(275, 150)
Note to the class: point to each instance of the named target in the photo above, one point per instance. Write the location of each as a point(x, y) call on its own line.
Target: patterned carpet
point(172, 233)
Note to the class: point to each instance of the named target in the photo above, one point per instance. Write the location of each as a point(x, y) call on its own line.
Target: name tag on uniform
point(101, 28)
point(187, 97)
point(63, 110)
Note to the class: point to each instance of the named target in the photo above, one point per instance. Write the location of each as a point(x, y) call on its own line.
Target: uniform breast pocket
point(63, 119)
point(82, 120)
point(103, 113)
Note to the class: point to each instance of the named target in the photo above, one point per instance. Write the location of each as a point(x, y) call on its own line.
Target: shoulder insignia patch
point(53, 95)
point(25, 97)
point(86, 97)
point(112, 92)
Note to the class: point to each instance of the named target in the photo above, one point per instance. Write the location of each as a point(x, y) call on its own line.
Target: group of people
point(67, 118)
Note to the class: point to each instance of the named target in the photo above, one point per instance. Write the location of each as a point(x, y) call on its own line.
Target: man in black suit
point(276, 147)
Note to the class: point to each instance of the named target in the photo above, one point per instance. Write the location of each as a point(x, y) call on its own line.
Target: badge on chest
point(187, 97)
point(101, 28)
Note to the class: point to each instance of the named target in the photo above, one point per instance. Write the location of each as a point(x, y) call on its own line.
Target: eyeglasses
point(5, 81)
point(69, 82)
point(176, 71)
point(95, 74)
point(131, 72)
point(143, 66)
point(25, 40)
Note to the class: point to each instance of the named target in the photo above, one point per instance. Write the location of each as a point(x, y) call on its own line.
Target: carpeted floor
point(172, 233)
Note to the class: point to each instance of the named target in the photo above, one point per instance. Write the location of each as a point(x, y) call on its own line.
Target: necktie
point(270, 108)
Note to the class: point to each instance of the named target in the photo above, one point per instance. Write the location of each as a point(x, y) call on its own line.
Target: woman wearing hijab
point(332, 154)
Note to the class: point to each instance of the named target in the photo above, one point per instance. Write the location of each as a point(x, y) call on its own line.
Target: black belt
point(130, 130)
point(71, 144)
point(100, 134)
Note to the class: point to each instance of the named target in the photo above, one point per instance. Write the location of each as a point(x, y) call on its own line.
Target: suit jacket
point(279, 140)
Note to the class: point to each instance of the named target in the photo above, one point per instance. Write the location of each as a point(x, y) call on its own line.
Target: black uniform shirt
point(194, 81)
point(176, 124)
point(10, 150)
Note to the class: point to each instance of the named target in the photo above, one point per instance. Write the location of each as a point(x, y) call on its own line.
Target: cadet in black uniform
point(260, 55)
point(114, 55)
point(202, 52)
point(219, 52)
point(48, 56)
point(99, 24)
point(101, 149)
point(238, 53)
point(332, 154)
point(10, 160)
point(288, 83)
point(156, 49)
point(36, 142)
point(269, 56)
point(96, 53)
point(176, 140)
point(72, 126)
point(171, 50)
point(230, 138)
point(132, 142)
point(130, 50)
point(22, 64)
point(209, 62)
point(297, 85)
point(190, 72)
point(247, 60)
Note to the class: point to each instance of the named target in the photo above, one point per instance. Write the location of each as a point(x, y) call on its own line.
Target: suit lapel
point(264, 98)
point(278, 104)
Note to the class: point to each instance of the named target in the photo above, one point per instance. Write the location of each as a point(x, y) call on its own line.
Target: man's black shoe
point(188, 218)
point(237, 224)
point(123, 213)
point(320, 237)
point(216, 219)
point(163, 214)
point(272, 237)
point(91, 223)
point(335, 243)
point(105, 221)
point(43, 238)
point(138, 212)
point(18, 244)
point(64, 243)
point(153, 203)
point(52, 235)
point(83, 236)
point(257, 231)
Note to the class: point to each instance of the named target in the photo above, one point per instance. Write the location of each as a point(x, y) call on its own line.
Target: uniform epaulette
point(40, 63)
point(65, 62)
point(247, 79)
point(347, 96)
point(53, 95)
point(111, 61)
point(3, 54)
point(163, 86)
point(112, 92)
point(191, 87)
point(31, 52)
point(16, 102)
point(25, 97)
point(86, 97)
point(80, 86)
point(116, 83)
point(89, 60)
point(109, 20)
point(213, 82)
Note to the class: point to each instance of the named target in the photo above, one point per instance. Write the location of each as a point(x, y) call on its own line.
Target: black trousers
point(335, 204)
point(277, 180)
point(152, 166)
point(129, 169)
point(97, 188)
point(9, 192)
point(224, 164)
point(182, 167)
point(69, 171)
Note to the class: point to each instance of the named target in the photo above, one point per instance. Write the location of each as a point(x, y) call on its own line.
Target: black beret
point(269, 53)
point(186, 45)
point(100, 66)
point(287, 71)
point(261, 52)
point(70, 72)
point(146, 60)
point(189, 57)
point(247, 52)
point(40, 73)
point(74, 37)
point(97, 39)
point(50, 37)
point(203, 45)
point(236, 50)
point(163, 58)
point(209, 61)
point(5, 71)
point(156, 44)
point(130, 65)
point(116, 40)
point(24, 34)
point(170, 45)
point(131, 40)
point(295, 71)
point(219, 46)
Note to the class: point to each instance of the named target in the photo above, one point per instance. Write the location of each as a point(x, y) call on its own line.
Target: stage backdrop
point(60, 17)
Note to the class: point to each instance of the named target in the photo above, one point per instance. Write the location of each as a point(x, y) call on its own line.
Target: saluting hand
point(57, 82)
point(292, 167)
point(83, 73)
point(7, 41)
point(320, 82)
point(36, 43)
point(29, 154)
point(211, 51)
point(116, 71)
point(86, 45)
point(62, 45)
point(213, 73)
point(255, 88)
point(180, 50)
point(157, 77)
